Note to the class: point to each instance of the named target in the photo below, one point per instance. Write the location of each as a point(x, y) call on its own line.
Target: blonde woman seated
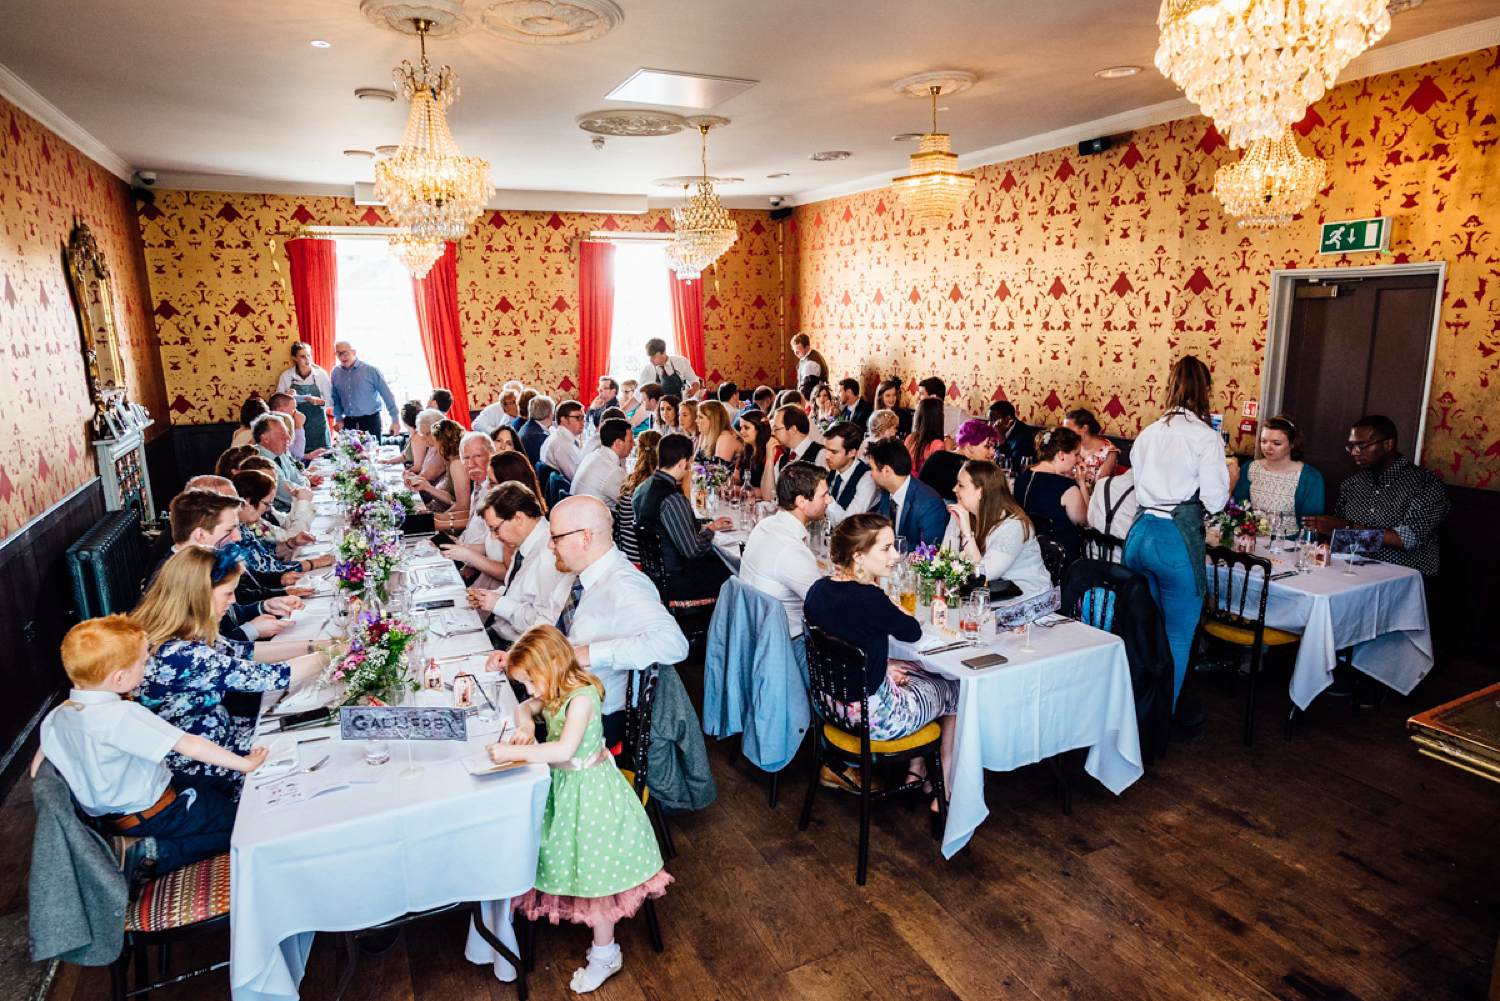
point(717, 442)
point(990, 528)
point(902, 697)
point(450, 488)
point(883, 424)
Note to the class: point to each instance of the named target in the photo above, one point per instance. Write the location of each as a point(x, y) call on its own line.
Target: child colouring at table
point(110, 753)
point(598, 860)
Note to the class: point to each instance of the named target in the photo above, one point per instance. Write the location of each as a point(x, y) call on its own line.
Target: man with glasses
point(358, 390)
point(535, 588)
point(563, 449)
point(1389, 492)
point(790, 430)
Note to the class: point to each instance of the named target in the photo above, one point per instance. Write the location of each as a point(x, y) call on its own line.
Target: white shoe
point(591, 977)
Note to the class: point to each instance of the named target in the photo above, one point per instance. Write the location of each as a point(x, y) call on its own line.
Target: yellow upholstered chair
point(1234, 613)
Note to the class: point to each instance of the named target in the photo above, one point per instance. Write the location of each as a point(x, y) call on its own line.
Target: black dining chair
point(693, 616)
point(1234, 613)
point(1054, 557)
point(1097, 545)
point(836, 670)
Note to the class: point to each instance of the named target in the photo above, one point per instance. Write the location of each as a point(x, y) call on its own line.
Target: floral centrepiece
point(934, 564)
point(1240, 522)
point(366, 557)
point(375, 664)
point(710, 475)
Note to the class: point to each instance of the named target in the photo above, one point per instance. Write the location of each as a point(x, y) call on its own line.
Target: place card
point(1019, 613)
point(402, 723)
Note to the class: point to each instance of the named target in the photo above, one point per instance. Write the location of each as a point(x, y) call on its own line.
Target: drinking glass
point(1307, 541)
point(901, 545)
point(968, 622)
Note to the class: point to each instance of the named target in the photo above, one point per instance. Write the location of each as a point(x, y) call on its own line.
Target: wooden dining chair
point(1234, 613)
point(836, 669)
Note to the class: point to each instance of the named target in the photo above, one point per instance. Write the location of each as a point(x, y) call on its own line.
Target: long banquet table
point(383, 846)
point(1072, 691)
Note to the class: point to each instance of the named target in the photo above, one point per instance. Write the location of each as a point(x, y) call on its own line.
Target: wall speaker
point(1091, 146)
point(781, 213)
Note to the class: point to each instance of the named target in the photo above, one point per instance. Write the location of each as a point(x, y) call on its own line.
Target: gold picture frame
point(93, 297)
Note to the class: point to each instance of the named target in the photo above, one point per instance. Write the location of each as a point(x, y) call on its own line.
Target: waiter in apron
point(671, 372)
point(310, 386)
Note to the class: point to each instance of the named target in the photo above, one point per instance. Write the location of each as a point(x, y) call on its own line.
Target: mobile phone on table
point(291, 720)
point(983, 661)
point(435, 604)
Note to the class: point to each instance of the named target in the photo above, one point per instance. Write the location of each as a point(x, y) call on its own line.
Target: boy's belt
point(126, 821)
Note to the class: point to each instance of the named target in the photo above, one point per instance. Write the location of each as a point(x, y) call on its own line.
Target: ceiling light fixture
point(1116, 72)
point(772, 177)
point(432, 191)
point(830, 154)
point(357, 153)
point(1254, 66)
point(906, 137)
point(704, 230)
point(1271, 183)
point(935, 186)
point(318, 43)
point(375, 94)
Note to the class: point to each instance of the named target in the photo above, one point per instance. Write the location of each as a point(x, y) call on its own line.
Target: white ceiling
point(233, 90)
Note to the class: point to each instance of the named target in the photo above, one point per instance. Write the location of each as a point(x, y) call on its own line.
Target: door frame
point(1279, 320)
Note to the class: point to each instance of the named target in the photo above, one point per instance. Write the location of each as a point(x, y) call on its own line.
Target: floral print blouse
point(185, 682)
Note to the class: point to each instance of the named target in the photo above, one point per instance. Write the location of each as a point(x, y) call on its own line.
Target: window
point(378, 317)
point(643, 309)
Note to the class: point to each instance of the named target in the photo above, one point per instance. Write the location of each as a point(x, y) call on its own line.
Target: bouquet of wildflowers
point(366, 556)
point(1235, 520)
point(945, 565)
point(352, 448)
point(384, 513)
point(710, 475)
point(374, 665)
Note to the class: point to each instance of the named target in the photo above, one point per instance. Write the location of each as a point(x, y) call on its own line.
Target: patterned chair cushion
point(182, 897)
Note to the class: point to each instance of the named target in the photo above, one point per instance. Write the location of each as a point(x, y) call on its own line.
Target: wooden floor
point(1340, 865)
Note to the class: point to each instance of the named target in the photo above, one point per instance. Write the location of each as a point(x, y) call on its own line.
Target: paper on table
point(300, 788)
point(480, 764)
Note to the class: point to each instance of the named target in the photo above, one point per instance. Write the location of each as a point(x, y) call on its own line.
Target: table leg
point(485, 916)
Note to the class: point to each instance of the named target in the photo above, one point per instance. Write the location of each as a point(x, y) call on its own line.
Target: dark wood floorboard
point(1339, 865)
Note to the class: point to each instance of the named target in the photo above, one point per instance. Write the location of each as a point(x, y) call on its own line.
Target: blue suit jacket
point(924, 516)
point(532, 436)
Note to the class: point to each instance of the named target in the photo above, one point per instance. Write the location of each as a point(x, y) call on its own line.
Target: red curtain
point(442, 341)
point(315, 294)
point(596, 313)
point(687, 321)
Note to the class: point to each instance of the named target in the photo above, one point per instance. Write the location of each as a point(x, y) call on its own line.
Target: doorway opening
point(1345, 342)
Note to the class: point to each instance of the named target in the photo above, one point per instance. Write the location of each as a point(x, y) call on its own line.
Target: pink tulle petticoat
point(586, 910)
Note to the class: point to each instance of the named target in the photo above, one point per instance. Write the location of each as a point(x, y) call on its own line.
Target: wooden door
point(1357, 346)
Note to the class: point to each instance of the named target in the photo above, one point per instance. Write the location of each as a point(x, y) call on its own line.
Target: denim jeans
point(1155, 550)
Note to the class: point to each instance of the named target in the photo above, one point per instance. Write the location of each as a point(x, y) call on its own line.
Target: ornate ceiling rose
point(552, 22)
point(948, 83)
point(632, 122)
point(684, 180)
point(448, 17)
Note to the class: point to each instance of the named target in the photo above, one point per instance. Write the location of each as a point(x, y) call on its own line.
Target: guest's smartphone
point(436, 603)
point(291, 720)
point(983, 661)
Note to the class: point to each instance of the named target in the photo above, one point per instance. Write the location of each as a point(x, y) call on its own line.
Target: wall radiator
point(107, 566)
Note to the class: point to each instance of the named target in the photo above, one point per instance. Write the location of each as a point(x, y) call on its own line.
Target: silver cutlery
point(310, 768)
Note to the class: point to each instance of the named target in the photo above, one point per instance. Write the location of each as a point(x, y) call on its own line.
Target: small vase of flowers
point(1238, 526)
point(375, 666)
point(942, 566)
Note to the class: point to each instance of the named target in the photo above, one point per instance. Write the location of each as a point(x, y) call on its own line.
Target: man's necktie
point(565, 620)
point(895, 516)
point(515, 570)
point(837, 485)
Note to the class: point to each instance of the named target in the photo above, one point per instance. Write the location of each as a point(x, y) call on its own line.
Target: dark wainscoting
point(182, 452)
point(36, 609)
point(1468, 596)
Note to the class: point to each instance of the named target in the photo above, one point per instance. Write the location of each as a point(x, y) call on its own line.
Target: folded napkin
point(283, 758)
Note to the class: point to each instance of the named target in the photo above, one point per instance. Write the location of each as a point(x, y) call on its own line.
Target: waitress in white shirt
point(1179, 477)
point(310, 386)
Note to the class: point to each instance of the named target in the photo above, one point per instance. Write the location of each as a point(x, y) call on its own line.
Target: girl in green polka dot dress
point(599, 860)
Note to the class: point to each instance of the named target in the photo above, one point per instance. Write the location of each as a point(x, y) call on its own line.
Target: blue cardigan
point(1307, 500)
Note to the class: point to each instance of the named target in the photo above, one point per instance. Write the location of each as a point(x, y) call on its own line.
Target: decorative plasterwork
point(683, 180)
point(712, 121)
point(948, 82)
point(449, 17)
point(551, 22)
point(633, 122)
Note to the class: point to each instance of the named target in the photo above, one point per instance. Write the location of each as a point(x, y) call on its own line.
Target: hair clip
point(225, 560)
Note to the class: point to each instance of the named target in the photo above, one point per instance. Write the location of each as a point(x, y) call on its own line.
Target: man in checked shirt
point(1392, 493)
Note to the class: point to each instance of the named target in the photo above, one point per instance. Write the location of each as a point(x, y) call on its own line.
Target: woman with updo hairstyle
point(888, 397)
point(451, 486)
point(666, 413)
point(1054, 489)
point(1279, 482)
point(1097, 455)
point(230, 459)
point(851, 605)
point(624, 511)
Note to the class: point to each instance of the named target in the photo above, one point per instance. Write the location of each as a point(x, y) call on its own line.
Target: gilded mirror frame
point(93, 298)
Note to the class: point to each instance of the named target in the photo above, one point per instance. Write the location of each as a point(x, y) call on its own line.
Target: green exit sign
point(1357, 236)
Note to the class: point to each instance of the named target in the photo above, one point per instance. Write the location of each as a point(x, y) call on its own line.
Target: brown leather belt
point(126, 821)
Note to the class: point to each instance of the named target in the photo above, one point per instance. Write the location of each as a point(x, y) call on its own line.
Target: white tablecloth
point(1381, 612)
point(1073, 691)
point(357, 856)
point(731, 547)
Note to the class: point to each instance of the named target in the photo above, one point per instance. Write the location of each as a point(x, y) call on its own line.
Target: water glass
point(1306, 543)
point(901, 545)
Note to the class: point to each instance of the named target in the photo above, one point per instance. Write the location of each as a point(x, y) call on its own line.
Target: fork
point(310, 768)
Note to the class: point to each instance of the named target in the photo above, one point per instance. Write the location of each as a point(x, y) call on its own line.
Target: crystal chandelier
point(704, 230)
point(935, 187)
point(432, 192)
point(1254, 66)
point(418, 253)
point(1270, 184)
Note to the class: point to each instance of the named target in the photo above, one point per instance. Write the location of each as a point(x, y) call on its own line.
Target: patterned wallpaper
point(224, 310)
point(1069, 280)
point(44, 403)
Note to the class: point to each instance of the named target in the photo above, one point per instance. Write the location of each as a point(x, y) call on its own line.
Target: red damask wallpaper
point(45, 185)
point(220, 293)
point(1075, 281)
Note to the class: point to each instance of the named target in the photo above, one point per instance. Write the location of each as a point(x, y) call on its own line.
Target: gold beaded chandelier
point(704, 230)
point(1271, 183)
point(935, 187)
point(418, 253)
point(432, 191)
point(1254, 66)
